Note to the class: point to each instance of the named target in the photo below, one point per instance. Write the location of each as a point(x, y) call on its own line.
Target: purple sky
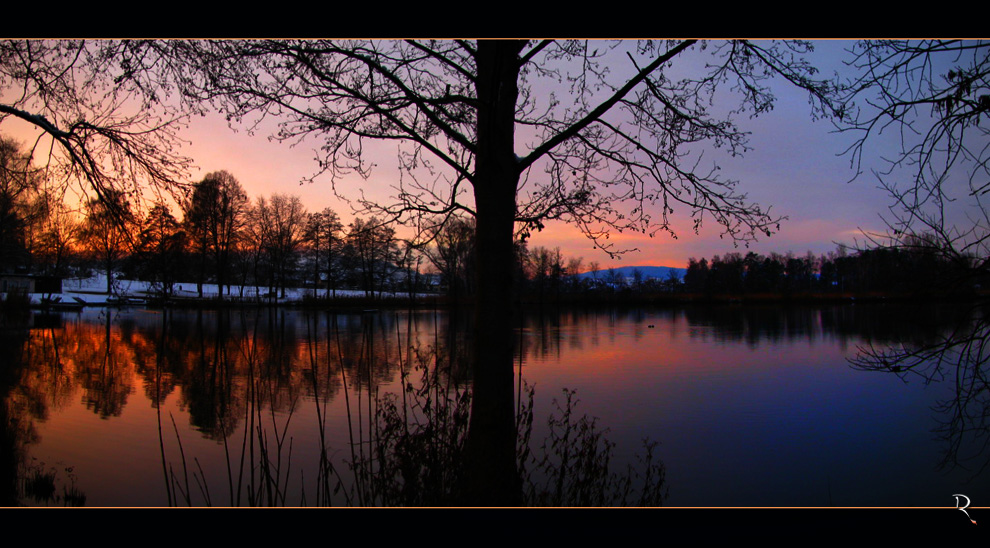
point(794, 167)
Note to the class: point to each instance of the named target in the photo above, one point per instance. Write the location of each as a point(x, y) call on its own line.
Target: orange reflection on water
point(145, 405)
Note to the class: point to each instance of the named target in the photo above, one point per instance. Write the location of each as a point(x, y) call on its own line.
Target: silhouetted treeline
point(224, 238)
point(917, 270)
point(214, 234)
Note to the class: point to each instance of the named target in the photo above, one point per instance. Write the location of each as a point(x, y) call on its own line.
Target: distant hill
point(659, 272)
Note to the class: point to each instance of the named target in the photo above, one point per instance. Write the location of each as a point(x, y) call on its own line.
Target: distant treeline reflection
point(226, 365)
point(871, 323)
point(205, 355)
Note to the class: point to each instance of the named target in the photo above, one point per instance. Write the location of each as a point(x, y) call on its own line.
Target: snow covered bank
point(92, 291)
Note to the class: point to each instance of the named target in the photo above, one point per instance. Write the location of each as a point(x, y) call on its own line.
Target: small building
point(28, 283)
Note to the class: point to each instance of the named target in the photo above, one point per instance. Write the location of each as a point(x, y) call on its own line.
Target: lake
point(749, 405)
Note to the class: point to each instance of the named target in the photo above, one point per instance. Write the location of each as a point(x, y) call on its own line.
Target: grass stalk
point(182, 453)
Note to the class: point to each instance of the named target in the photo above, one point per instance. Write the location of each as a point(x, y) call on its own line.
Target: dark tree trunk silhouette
point(491, 474)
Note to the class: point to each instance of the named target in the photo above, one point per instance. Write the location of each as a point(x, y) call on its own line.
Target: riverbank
point(91, 292)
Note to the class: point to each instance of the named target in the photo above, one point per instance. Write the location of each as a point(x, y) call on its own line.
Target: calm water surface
point(752, 406)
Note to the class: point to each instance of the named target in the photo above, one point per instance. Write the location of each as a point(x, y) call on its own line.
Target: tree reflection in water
point(32, 380)
point(281, 407)
point(406, 447)
point(960, 355)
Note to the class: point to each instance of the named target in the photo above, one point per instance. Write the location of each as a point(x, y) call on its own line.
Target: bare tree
point(410, 262)
point(107, 231)
point(160, 250)
point(19, 190)
point(214, 216)
point(607, 136)
point(376, 251)
point(324, 233)
point(281, 221)
point(103, 127)
point(60, 233)
point(452, 254)
point(250, 251)
point(935, 96)
point(594, 268)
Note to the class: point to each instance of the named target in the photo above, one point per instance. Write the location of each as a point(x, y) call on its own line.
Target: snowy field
point(93, 291)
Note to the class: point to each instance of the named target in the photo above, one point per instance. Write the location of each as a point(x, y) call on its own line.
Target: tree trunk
point(490, 462)
point(221, 259)
point(109, 269)
point(202, 273)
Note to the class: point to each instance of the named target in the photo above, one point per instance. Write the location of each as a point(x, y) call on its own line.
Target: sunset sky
point(795, 167)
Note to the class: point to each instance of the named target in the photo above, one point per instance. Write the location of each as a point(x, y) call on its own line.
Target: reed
point(406, 448)
point(44, 485)
point(573, 464)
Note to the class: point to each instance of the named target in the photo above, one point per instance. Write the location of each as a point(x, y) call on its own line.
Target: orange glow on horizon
point(265, 167)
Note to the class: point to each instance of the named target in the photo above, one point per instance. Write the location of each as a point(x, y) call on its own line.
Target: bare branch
point(107, 134)
point(602, 108)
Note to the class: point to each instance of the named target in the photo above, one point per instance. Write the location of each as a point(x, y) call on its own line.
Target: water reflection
point(34, 383)
point(281, 407)
point(959, 356)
